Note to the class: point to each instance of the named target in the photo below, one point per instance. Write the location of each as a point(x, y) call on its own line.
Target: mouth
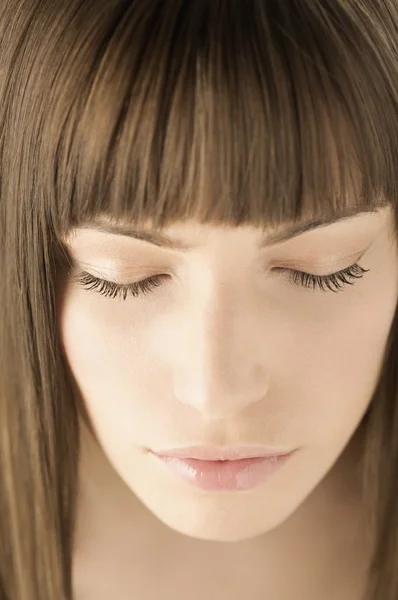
point(215, 453)
point(217, 475)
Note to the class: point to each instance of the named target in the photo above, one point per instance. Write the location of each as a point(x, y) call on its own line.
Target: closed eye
point(113, 290)
point(333, 282)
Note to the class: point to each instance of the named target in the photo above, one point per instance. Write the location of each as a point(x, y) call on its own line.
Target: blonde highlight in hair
point(230, 112)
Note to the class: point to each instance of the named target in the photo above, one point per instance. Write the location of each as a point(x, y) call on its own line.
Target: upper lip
point(217, 453)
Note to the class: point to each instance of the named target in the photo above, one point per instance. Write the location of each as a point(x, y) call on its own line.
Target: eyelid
point(121, 274)
point(324, 268)
point(112, 270)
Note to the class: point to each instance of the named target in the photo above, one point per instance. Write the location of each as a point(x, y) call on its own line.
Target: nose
point(220, 368)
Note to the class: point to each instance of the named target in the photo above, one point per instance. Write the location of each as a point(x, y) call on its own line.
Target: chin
point(219, 517)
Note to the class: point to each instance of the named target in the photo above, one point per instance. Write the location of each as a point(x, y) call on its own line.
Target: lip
point(218, 453)
point(223, 475)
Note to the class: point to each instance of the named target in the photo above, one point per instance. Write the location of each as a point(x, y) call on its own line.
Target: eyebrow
point(162, 240)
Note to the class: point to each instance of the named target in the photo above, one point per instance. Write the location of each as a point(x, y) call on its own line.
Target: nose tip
point(221, 410)
point(222, 401)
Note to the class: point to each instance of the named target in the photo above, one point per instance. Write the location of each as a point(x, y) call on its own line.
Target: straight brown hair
point(230, 112)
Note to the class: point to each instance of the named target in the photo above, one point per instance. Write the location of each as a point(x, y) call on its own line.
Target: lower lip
point(227, 475)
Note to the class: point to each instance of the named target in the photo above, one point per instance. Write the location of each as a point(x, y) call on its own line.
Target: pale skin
point(226, 352)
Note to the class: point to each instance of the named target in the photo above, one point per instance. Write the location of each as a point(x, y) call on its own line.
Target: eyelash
point(325, 282)
point(299, 278)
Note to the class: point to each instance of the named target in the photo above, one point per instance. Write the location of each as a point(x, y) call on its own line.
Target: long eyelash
point(325, 282)
point(300, 278)
point(111, 289)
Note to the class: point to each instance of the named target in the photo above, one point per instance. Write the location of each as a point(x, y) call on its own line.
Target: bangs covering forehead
point(228, 112)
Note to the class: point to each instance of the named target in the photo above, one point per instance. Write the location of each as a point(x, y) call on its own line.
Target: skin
point(228, 352)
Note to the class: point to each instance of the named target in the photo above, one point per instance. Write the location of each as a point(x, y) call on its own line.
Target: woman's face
point(228, 351)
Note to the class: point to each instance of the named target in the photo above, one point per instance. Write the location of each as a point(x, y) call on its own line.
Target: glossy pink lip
point(223, 475)
point(218, 453)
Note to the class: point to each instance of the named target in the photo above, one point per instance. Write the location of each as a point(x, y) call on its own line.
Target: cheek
point(338, 366)
point(103, 352)
point(107, 345)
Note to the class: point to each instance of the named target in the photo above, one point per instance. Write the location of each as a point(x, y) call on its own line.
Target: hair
point(229, 112)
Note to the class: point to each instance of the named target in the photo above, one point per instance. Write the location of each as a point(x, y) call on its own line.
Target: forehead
point(177, 235)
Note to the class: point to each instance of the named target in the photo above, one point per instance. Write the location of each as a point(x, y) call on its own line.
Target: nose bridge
point(221, 372)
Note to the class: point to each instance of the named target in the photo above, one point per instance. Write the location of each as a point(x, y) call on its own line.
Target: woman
point(198, 251)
